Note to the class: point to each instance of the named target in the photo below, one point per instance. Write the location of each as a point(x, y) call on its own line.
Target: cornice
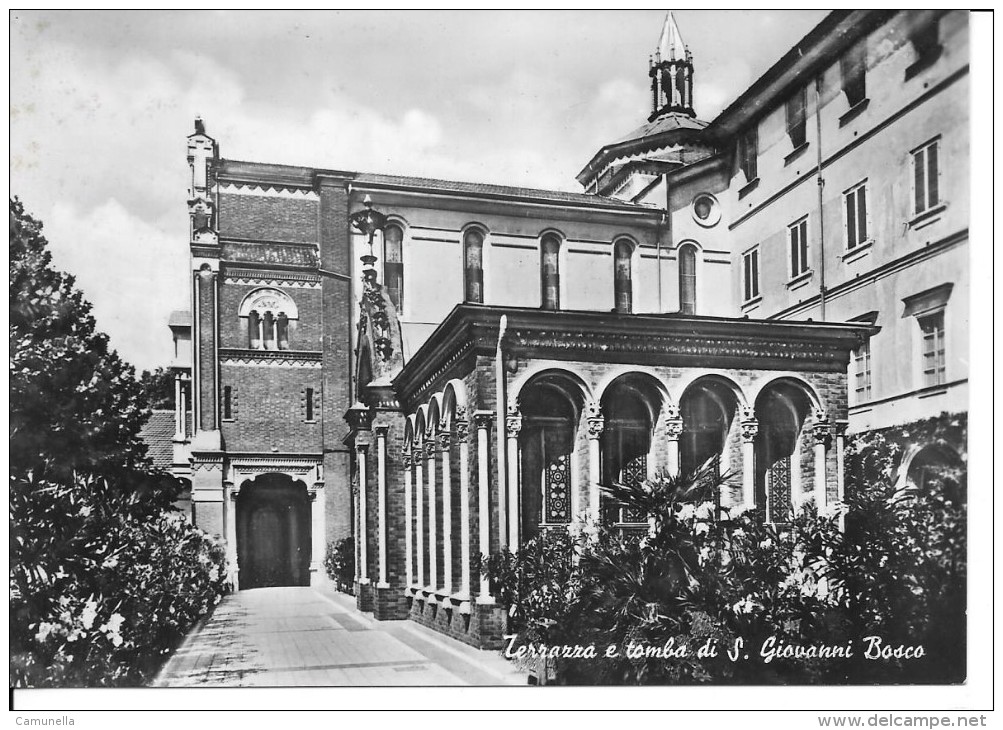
point(269, 358)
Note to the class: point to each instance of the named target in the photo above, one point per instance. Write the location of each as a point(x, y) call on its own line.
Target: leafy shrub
point(98, 596)
point(704, 577)
point(340, 563)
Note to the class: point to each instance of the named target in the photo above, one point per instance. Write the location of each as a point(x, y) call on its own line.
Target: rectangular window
point(309, 404)
point(798, 237)
point(862, 372)
point(926, 176)
point(227, 403)
point(933, 360)
point(797, 123)
point(852, 67)
point(748, 152)
point(856, 216)
point(750, 278)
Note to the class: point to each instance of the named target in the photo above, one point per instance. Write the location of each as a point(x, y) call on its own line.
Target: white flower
point(89, 613)
point(44, 629)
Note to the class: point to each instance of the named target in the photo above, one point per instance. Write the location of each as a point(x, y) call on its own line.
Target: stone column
point(318, 534)
point(750, 427)
point(230, 521)
point(418, 456)
point(513, 425)
point(820, 432)
point(433, 528)
point(462, 439)
point(361, 453)
point(381, 497)
point(840, 471)
point(408, 517)
point(447, 516)
point(673, 430)
point(595, 425)
point(179, 413)
point(482, 421)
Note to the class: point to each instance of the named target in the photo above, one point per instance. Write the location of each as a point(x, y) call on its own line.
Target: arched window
point(393, 264)
point(623, 288)
point(688, 279)
point(269, 313)
point(550, 276)
point(473, 266)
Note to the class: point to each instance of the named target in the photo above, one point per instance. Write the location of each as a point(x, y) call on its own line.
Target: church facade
point(441, 370)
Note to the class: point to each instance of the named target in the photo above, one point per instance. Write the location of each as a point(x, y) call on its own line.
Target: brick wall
point(305, 333)
point(262, 218)
point(269, 413)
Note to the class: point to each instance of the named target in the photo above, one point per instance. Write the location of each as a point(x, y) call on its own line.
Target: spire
point(671, 73)
point(670, 42)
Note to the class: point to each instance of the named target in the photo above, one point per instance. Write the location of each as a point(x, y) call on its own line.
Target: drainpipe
point(821, 184)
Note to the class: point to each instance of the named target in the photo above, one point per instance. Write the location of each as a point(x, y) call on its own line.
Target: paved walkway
point(306, 637)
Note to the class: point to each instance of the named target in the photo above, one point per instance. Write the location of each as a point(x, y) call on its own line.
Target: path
point(276, 637)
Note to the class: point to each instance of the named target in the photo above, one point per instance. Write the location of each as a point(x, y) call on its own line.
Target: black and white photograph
point(523, 350)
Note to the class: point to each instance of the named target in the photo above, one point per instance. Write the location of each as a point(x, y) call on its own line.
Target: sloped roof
point(484, 189)
point(669, 123)
point(157, 434)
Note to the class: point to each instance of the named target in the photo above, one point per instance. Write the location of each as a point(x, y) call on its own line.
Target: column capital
point(513, 422)
point(484, 419)
point(462, 428)
point(750, 427)
point(820, 431)
point(840, 427)
point(445, 439)
point(673, 428)
point(430, 449)
point(406, 459)
point(381, 430)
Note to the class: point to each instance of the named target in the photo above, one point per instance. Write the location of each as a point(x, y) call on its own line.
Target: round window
point(706, 210)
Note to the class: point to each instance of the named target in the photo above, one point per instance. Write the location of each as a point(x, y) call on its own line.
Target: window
point(269, 314)
point(933, 360)
point(926, 42)
point(308, 405)
point(798, 236)
point(862, 372)
point(688, 279)
point(855, 201)
point(623, 291)
point(750, 271)
point(227, 403)
point(393, 264)
point(852, 67)
point(473, 266)
point(748, 152)
point(797, 124)
point(550, 277)
point(926, 176)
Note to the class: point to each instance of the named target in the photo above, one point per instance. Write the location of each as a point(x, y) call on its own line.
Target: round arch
point(575, 381)
point(268, 299)
point(796, 381)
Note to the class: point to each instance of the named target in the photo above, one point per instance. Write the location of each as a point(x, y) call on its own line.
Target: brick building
point(442, 369)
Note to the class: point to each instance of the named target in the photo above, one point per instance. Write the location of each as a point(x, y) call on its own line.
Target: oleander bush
point(105, 576)
point(340, 564)
point(708, 580)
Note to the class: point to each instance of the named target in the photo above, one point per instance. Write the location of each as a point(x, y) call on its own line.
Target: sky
point(102, 103)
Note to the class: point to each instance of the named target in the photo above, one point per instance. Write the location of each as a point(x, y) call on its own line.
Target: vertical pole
point(230, 518)
point(750, 427)
point(433, 528)
point(317, 533)
point(595, 427)
point(840, 471)
point(408, 517)
point(381, 496)
point(447, 516)
point(179, 418)
point(673, 430)
point(462, 438)
point(513, 425)
point(482, 419)
point(363, 520)
point(820, 432)
point(418, 455)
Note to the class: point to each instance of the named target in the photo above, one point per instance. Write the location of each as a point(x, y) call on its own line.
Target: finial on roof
point(199, 125)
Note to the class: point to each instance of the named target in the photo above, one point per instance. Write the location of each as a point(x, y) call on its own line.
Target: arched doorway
point(273, 532)
point(708, 408)
point(781, 410)
point(630, 407)
point(551, 406)
point(939, 467)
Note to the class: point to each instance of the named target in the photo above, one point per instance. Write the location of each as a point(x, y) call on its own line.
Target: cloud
point(132, 272)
